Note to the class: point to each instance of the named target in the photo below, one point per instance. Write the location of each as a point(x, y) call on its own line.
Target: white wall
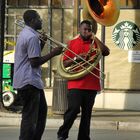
point(115, 100)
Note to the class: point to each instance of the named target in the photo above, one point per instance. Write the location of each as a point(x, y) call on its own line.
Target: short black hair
point(29, 15)
point(86, 22)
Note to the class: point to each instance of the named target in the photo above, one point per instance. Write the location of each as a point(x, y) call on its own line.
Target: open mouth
point(96, 6)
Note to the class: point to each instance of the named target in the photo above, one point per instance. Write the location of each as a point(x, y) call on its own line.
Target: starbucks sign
point(126, 35)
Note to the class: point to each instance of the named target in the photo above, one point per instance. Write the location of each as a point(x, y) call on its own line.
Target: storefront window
point(133, 3)
point(130, 3)
point(27, 2)
point(68, 3)
point(62, 3)
point(123, 3)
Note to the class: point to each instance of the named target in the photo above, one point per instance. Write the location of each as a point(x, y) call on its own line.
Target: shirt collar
point(88, 41)
point(31, 29)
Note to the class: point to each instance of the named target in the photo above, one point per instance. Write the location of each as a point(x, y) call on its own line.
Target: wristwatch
point(74, 58)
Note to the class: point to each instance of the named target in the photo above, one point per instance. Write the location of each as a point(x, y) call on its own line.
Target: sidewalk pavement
point(101, 119)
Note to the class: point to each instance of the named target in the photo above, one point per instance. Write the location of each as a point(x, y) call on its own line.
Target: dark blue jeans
point(76, 99)
point(34, 113)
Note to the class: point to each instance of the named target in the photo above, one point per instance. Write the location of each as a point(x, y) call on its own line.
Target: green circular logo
point(126, 35)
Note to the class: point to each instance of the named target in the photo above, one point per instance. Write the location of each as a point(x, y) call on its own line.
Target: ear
point(79, 30)
point(32, 23)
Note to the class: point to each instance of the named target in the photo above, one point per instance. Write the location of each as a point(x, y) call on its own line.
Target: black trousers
point(34, 113)
point(76, 99)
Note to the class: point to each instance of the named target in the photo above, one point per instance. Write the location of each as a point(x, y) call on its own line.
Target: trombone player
point(82, 91)
point(27, 76)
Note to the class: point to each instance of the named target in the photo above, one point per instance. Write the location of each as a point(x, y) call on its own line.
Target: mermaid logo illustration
point(126, 35)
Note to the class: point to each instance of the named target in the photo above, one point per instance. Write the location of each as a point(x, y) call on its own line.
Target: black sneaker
point(61, 138)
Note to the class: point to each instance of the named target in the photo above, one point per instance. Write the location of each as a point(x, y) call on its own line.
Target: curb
point(56, 123)
point(133, 126)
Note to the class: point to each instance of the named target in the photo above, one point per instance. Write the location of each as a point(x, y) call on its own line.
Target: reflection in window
point(133, 3)
point(27, 2)
point(12, 2)
point(130, 3)
point(57, 3)
point(68, 3)
point(62, 3)
point(123, 3)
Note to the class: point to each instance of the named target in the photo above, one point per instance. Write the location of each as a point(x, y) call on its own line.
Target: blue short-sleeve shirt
point(28, 46)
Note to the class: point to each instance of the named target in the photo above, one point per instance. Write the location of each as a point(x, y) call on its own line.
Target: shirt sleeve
point(34, 49)
point(68, 53)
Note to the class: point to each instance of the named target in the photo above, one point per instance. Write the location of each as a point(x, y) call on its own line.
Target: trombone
point(66, 72)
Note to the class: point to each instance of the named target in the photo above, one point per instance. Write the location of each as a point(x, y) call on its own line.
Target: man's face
point(85, 31)
point(38, 23)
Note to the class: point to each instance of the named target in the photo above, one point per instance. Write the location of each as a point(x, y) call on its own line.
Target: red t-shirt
point(89, 82)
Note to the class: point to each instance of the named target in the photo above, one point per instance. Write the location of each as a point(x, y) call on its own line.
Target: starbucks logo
point(126, 35)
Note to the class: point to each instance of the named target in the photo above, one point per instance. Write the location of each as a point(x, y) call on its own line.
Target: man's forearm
point(38, 61)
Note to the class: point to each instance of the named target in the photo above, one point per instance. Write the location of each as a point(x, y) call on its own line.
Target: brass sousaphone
point(104, 12)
